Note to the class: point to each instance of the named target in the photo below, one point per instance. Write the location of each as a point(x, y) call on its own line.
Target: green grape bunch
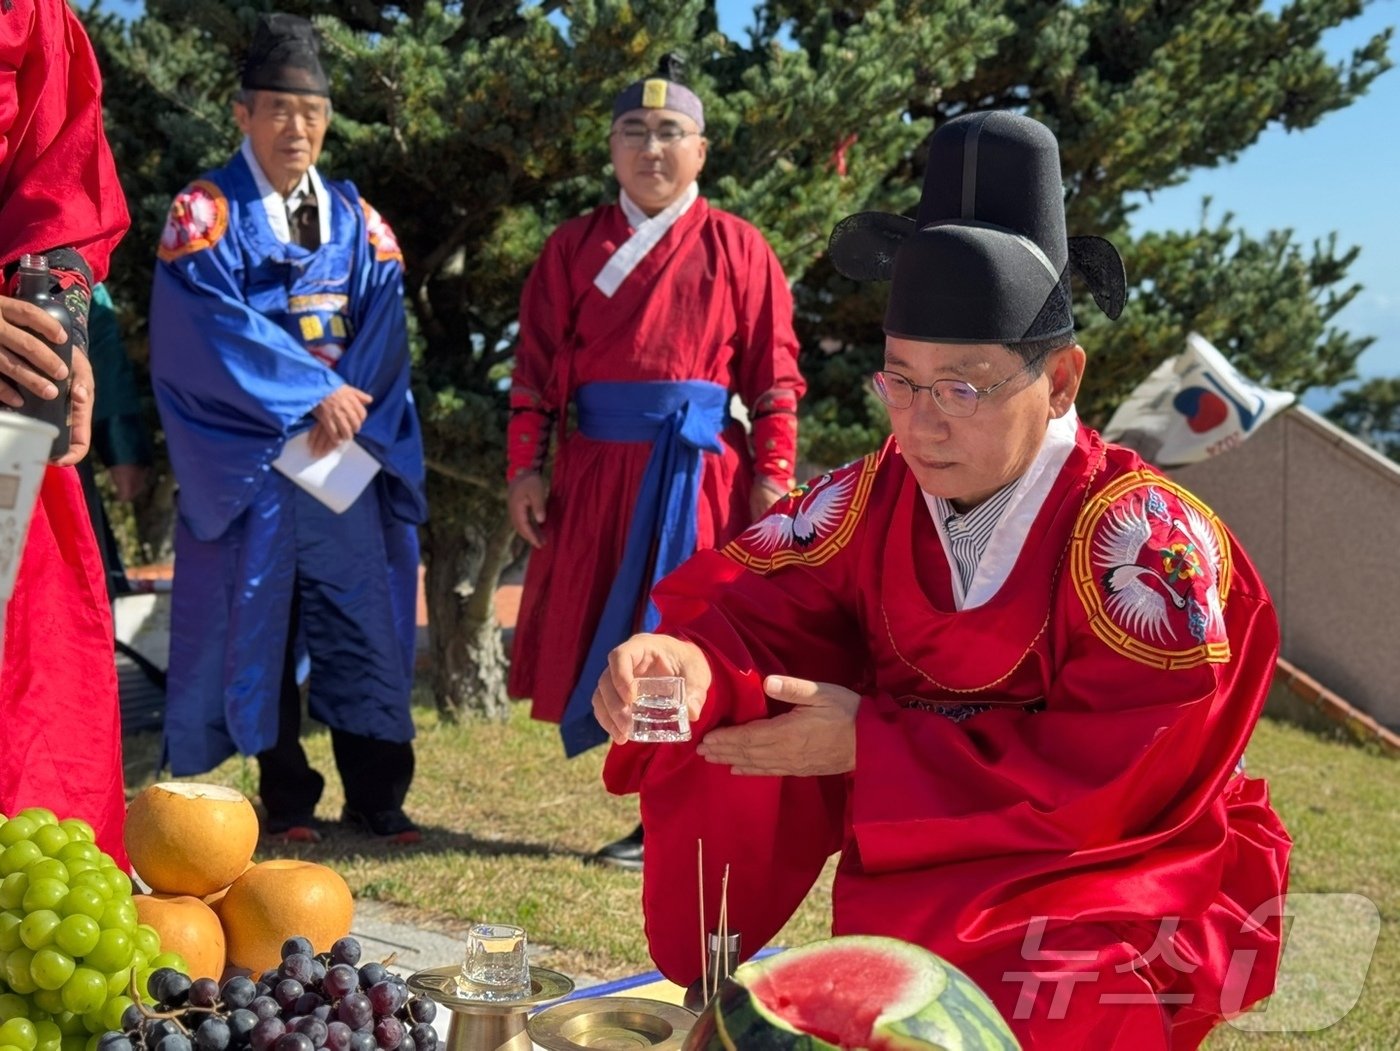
point(71, 946)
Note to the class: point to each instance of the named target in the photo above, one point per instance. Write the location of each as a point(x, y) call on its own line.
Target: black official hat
point(284, 57)
point(987, 259)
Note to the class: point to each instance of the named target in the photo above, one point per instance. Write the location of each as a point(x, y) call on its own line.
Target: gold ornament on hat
point(654, 94)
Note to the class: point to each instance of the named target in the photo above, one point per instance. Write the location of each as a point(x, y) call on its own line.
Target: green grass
point(509, 825)
point(1341, 804)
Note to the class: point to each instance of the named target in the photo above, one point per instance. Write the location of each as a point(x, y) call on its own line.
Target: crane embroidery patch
point(810, 524)
point(198, 219)
point(1152, 566)
point(381, 236)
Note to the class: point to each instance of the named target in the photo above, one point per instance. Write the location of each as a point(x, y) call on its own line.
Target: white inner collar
point(275, 205)
point(647, 231)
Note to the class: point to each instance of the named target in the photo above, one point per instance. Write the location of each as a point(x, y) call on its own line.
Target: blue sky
point(1342, 175)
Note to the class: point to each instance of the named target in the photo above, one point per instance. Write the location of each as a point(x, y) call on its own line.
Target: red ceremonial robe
point(1045, 790)
point(60, 746)
point(709, 302)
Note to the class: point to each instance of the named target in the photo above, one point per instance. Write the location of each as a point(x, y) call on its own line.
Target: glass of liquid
point(658, 714)
point(495, 966)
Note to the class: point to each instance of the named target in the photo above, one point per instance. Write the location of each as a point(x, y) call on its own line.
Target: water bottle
point(34, 284)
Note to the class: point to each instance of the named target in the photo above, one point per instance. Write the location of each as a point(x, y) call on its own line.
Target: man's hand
point(319, 441)
point(646, 656)
point(26, 362)
point(84, 392)
point(765, 493)
point(817, 737)
point(128, 480)
point(339, 418)
point(525, 501)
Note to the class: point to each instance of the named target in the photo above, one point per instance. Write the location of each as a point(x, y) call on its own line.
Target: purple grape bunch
point(311, 1002)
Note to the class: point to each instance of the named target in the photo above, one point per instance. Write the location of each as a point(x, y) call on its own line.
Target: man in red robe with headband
point(647, 315)
point(1007, 670)
point(61, 742)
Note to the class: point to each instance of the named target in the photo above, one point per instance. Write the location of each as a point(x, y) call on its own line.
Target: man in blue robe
point(277, 327)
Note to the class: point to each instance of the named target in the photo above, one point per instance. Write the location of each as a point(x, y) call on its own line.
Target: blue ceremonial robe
point(248, 335)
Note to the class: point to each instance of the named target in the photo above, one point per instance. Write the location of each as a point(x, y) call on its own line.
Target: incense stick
point(724, 925)
point(704, 948)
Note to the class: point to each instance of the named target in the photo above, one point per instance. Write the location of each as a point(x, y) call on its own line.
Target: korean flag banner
point(1193, 406)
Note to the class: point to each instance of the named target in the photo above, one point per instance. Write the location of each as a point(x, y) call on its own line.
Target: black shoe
point(392, 825)
point(292, 828)
point(626, 853)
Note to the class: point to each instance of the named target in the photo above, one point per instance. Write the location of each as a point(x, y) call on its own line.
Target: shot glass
point(659, 714)
point(495, 966)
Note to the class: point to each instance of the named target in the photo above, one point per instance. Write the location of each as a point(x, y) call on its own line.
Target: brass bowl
point(444, 984)
point(611, 1023)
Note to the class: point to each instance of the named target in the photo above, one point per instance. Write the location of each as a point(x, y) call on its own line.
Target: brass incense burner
point(611, 1023)
point(480, 1024)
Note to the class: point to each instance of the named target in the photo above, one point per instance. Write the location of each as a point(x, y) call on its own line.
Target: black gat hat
point(987, 259)
point(284, 56)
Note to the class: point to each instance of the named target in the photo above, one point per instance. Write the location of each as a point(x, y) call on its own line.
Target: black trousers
point(376, 774)
point(107, 546)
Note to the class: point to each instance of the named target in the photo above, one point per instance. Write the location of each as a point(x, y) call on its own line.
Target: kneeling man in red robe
point(1005, 669)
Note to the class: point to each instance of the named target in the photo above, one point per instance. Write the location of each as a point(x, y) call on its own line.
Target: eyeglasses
point(637, 138)
point(279, 112)
point(954, 397)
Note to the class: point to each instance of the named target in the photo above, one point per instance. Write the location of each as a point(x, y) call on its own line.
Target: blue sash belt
point(681, 420)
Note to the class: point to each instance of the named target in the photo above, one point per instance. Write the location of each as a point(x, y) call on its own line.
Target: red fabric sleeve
point(766, 364)
point(775, 833)
point(545, 329)
point(527, 435)
point(775, 437)
point(58, 183)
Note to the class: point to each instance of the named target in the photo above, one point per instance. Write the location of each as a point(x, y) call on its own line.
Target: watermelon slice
point(878, 994)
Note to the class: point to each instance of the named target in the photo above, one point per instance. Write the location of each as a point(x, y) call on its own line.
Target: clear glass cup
point(659, 714)
point(495, 966)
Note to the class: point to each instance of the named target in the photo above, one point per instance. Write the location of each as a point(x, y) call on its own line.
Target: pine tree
point(1372, 413)
point(477, 127)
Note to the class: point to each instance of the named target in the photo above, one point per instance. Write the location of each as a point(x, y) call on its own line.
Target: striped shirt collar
point(999, 533)
point(969, 534)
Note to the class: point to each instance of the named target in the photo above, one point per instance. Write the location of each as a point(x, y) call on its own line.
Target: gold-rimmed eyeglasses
point(954, 397)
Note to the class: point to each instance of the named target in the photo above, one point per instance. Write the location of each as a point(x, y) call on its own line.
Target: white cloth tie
point(647, 231)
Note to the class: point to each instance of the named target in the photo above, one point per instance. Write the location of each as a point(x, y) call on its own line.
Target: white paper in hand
point(336, 479)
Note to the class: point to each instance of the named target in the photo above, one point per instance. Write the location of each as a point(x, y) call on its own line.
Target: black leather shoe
point(293, 828)
point(393, 826)
point(626, 853)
